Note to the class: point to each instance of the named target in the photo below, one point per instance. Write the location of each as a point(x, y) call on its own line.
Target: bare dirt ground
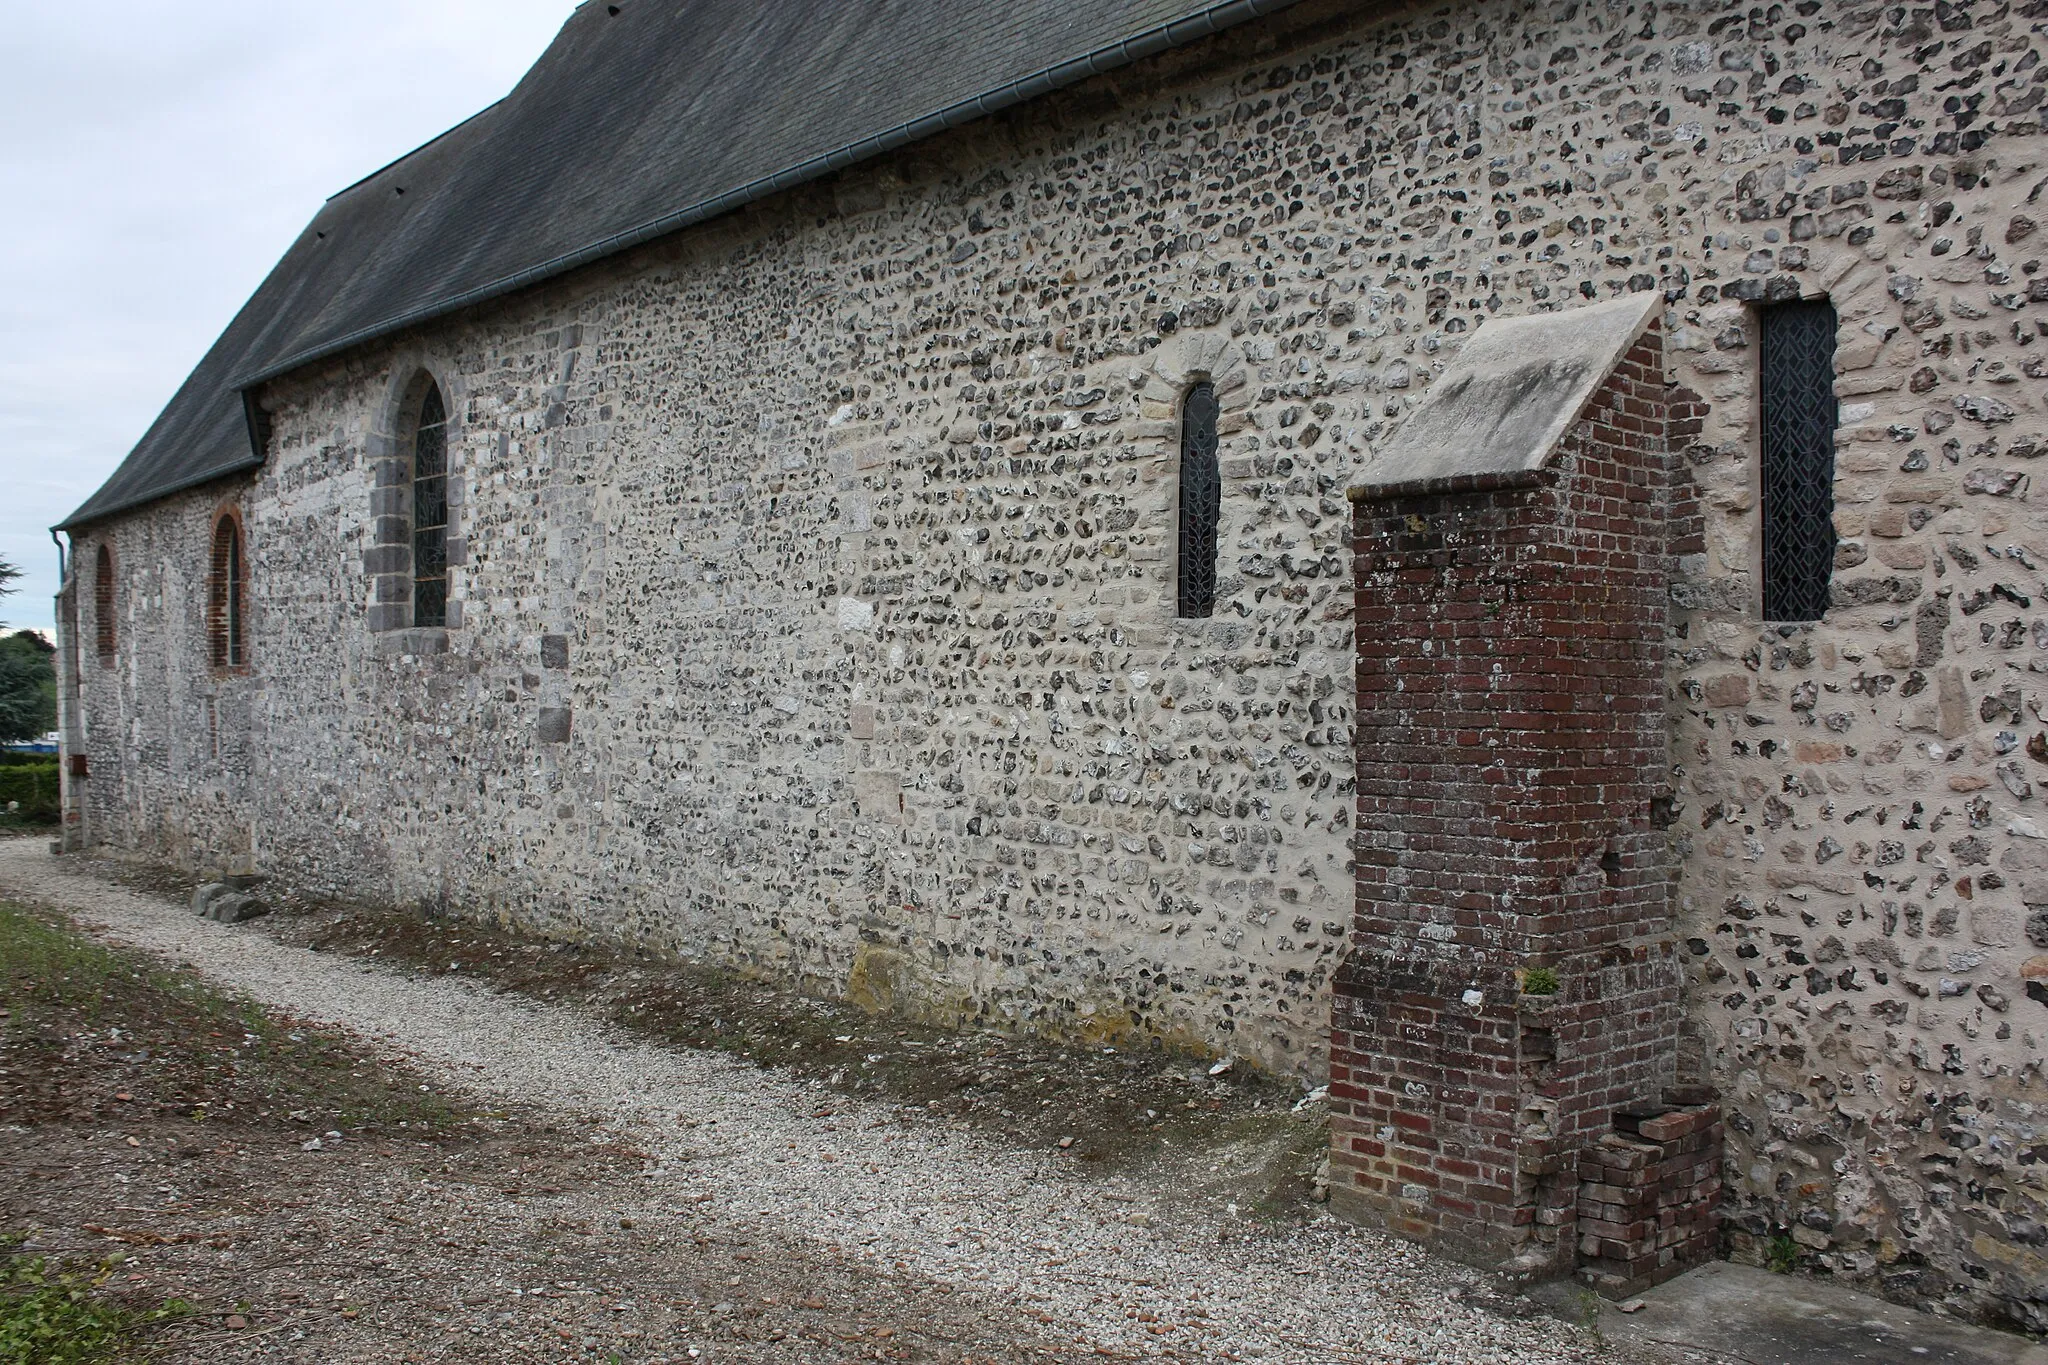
point(747, 1176)
point(1098, 1105)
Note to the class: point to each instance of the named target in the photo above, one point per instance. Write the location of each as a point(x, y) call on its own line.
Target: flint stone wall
point(853, 513)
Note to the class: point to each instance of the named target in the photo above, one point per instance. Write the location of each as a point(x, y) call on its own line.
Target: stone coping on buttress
point(1506, 400)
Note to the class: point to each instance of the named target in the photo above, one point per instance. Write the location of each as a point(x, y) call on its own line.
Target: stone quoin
point(730, 497)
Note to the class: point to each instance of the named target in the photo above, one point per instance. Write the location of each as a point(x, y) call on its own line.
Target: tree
point(28, 687)
point(28, 677)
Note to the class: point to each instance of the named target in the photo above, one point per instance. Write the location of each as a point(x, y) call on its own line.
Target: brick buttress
point(1513, 978)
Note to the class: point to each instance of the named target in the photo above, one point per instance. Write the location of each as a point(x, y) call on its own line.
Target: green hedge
point(34, 785)
point(14, 758)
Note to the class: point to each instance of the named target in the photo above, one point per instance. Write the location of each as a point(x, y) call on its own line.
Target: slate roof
point(642, 117)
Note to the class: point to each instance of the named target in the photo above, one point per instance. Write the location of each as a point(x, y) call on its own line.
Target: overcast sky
point(156, 159)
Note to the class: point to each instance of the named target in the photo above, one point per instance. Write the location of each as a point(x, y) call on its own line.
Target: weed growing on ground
point(1588, 1304)
point(52, 1314)
point(1782, 1255)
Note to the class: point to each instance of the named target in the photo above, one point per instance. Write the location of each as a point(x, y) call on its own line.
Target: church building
point(1479, 553)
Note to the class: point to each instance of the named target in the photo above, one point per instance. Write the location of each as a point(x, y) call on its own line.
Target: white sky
point(156, 159)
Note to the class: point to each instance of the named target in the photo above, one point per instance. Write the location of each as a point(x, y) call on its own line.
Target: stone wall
point(853, 513)
point(166, 735)
point(1860, 828)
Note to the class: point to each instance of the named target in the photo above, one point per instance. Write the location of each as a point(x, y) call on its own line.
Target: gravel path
point(908, 1194)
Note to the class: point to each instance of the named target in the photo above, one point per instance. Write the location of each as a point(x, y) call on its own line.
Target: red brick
point(1544, 610)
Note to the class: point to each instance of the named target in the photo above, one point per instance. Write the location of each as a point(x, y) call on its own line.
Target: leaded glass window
point(1201, 502)
point(1798, 474)
point(430, 513)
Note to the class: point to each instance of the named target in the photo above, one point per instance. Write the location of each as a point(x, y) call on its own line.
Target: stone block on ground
point(236, 906)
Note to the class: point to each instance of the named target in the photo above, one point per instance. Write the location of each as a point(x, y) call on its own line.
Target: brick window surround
point(103, 603)
point(227, 595)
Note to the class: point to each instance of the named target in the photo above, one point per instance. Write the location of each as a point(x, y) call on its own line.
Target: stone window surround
point(229, 511)
point(1174, 368)
point(387, 558)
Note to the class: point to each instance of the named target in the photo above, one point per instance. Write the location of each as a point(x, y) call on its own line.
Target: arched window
point(227, 580)
point(103, 603)
point(1201, 502)
point(430, 512)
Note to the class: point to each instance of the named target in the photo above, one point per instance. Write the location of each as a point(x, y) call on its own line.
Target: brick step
point(1649, 1197)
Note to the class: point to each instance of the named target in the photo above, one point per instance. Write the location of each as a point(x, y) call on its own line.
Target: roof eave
point(81, 518)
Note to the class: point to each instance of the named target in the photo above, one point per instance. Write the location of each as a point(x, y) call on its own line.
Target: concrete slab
point(1737, 1313)
point(1510, 394)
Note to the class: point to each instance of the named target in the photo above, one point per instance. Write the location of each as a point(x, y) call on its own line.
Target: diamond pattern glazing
point(1799, 414)
point(1201, 502)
